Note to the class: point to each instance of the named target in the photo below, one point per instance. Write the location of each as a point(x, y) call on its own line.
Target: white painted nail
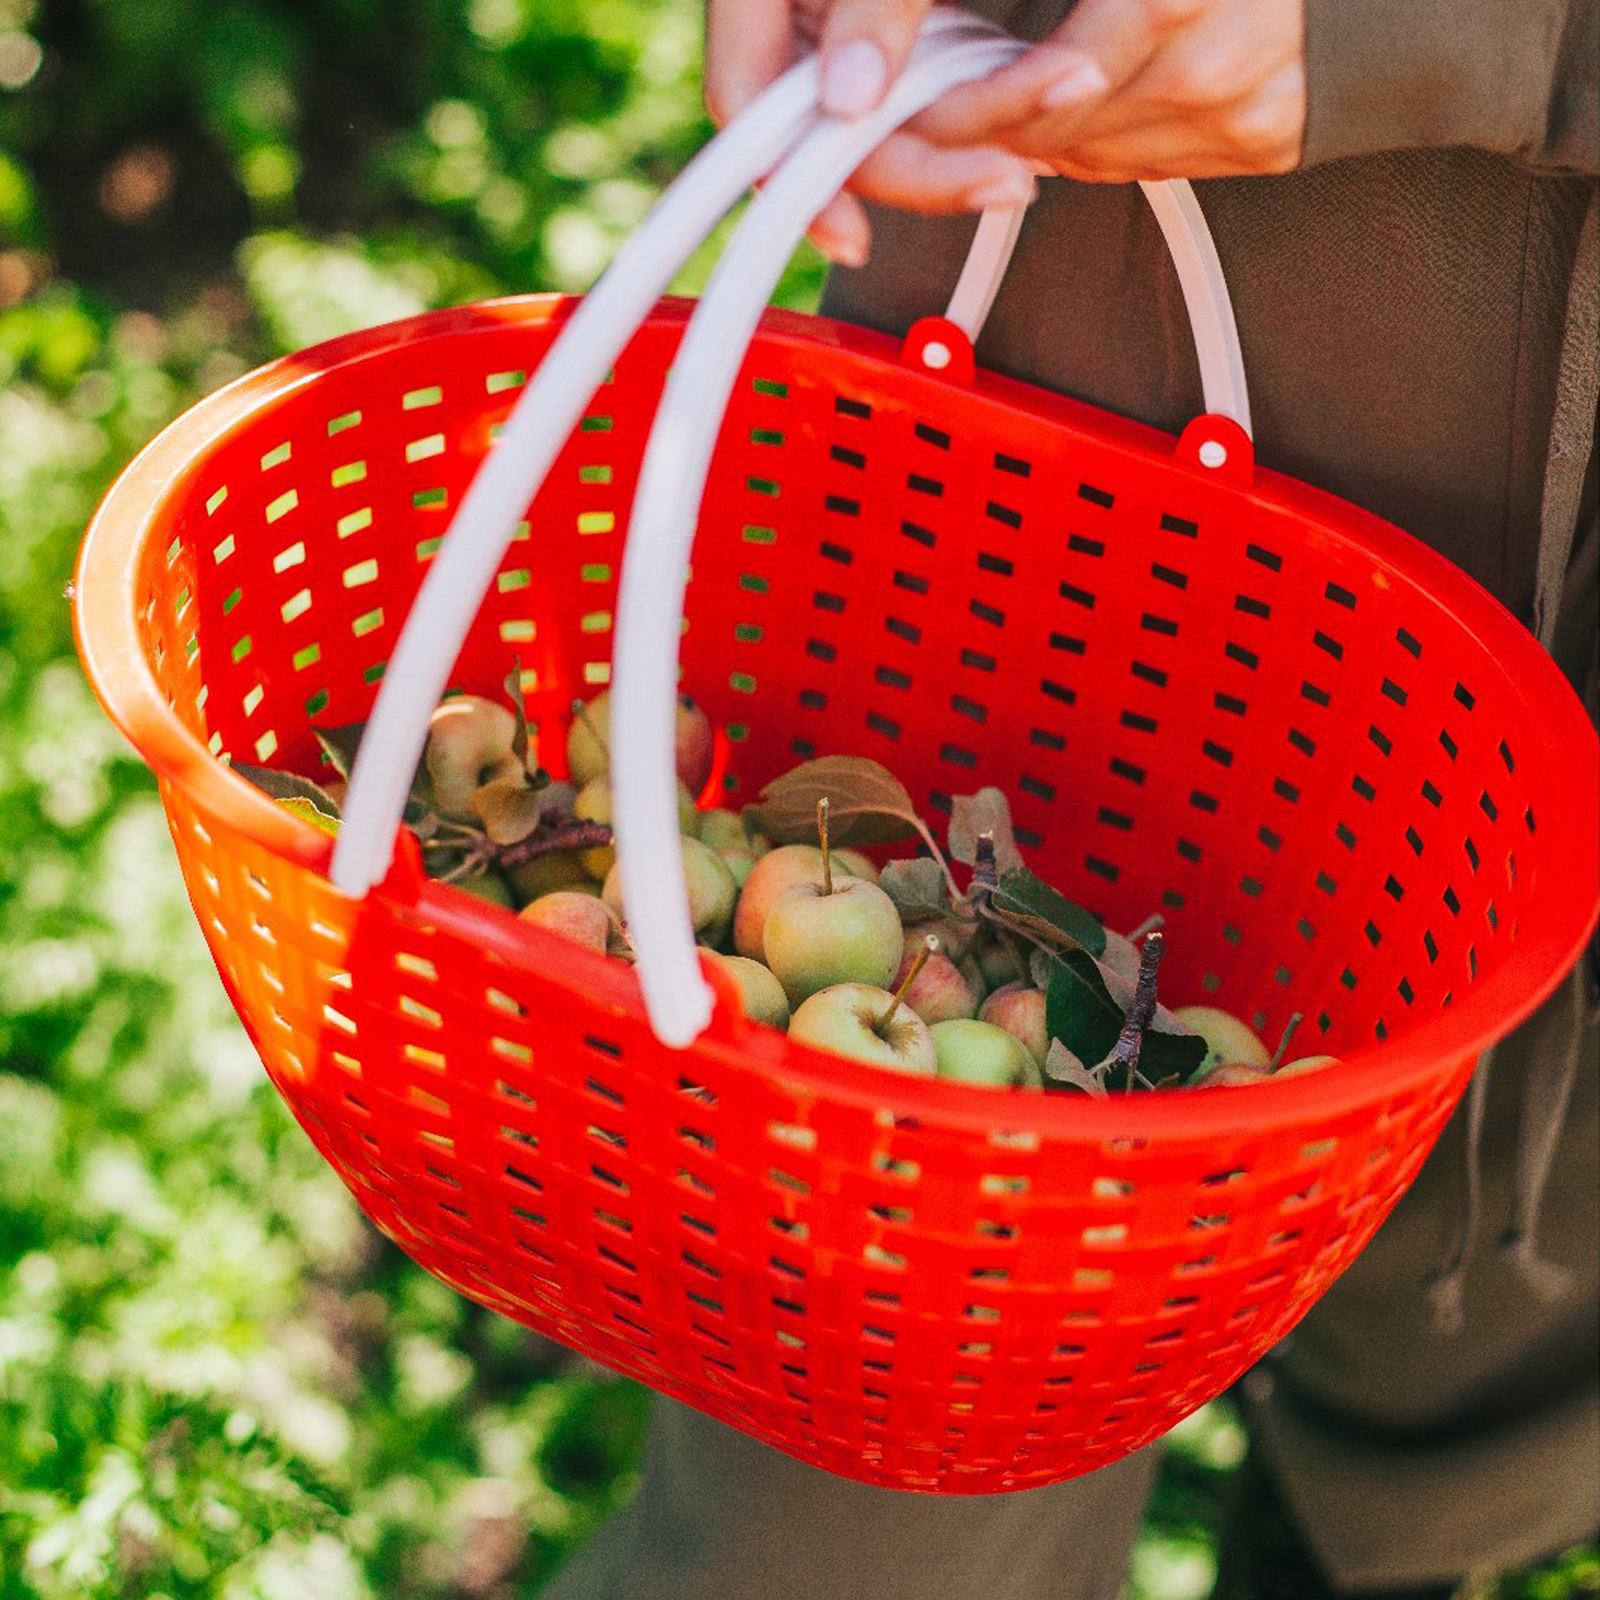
point(854, 78)
point(1083, 80)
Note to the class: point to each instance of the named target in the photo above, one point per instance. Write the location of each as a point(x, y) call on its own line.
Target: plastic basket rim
point(106, 629)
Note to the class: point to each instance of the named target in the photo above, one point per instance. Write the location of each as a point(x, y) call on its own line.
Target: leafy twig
point(1140, 1011)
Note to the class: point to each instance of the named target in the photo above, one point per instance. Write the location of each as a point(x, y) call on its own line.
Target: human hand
point(863, 45)
point(1145, 89)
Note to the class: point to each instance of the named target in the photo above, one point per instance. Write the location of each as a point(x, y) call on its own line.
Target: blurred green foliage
point(216, 1381)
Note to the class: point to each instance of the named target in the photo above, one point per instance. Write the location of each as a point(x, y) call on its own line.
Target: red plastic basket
point(1348, 778)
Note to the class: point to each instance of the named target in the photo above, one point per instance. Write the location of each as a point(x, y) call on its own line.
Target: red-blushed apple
point(864, 1023)
point(469, 745)
point(785, 868)
point(1230, 1075)
point(940, 991)
point(1019, 1008)
point(761, 993)
point(589, 735)
point(970, 1051)
point(581, 918)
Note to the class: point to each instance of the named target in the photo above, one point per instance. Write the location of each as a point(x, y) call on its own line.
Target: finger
point(865, 46)
point(1050, 77)
point(1121, 36)
point(842, 232)
point(748, 43)
point(912, 175)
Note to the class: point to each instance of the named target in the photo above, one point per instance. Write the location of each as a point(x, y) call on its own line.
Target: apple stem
point(822, 840)
point(1289, 1030)
point(580, 710)
point(930, 946)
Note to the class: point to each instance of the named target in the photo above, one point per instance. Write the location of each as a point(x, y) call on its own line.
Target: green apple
point(814, 939)
point(1227, 1038)
point(560, 869)
point(1019, 1008)
point(785, 868)
point(711, 891)
point(760, 992)
point(741, 863)
point(469, 745)
point(862, 1022)
point(595, 804)
point(856, 864)
point(999, 962)
point(488, 886)
point(723, 830)
point(970, 1051)
point(571, 914)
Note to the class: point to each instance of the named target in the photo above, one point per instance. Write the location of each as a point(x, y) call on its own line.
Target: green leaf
point(917, 889)
point(1063, 1067)
point(1081, 1013)
point(289, 786)
point(1030, 905)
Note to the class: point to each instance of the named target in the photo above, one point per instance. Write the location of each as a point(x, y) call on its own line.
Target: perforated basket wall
point(1316, 748)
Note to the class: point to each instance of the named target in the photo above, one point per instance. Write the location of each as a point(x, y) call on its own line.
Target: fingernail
point(1083, 80)
point(854, 78)
point(840, 251)
point(1010, 189)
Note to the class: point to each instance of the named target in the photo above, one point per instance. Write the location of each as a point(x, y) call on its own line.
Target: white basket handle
point(537, 428)
point(1194, 255)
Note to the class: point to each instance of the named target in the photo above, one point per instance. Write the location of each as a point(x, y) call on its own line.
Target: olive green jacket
point(1401, 299)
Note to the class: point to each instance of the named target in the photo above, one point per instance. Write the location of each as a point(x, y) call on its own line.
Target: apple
point(488, 886)
point(814, 939)
point(589, 753)
point(1019, 1008)
point(1230, 1075)
point(469, 745)
point(856, 864)
point(560, 869)
point(785, 868)
point(741, 863)
point(999, 962)
point(864, 1023)
point(710, 885)
point(571, 914)
point(761, 993)
point(1227, 1038)
point(1306, 1064)
point(595, 804)
point(940, 990)
point(723, 830)
point(970, 1051)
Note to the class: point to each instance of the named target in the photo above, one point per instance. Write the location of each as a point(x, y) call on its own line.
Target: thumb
point(865, 46)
